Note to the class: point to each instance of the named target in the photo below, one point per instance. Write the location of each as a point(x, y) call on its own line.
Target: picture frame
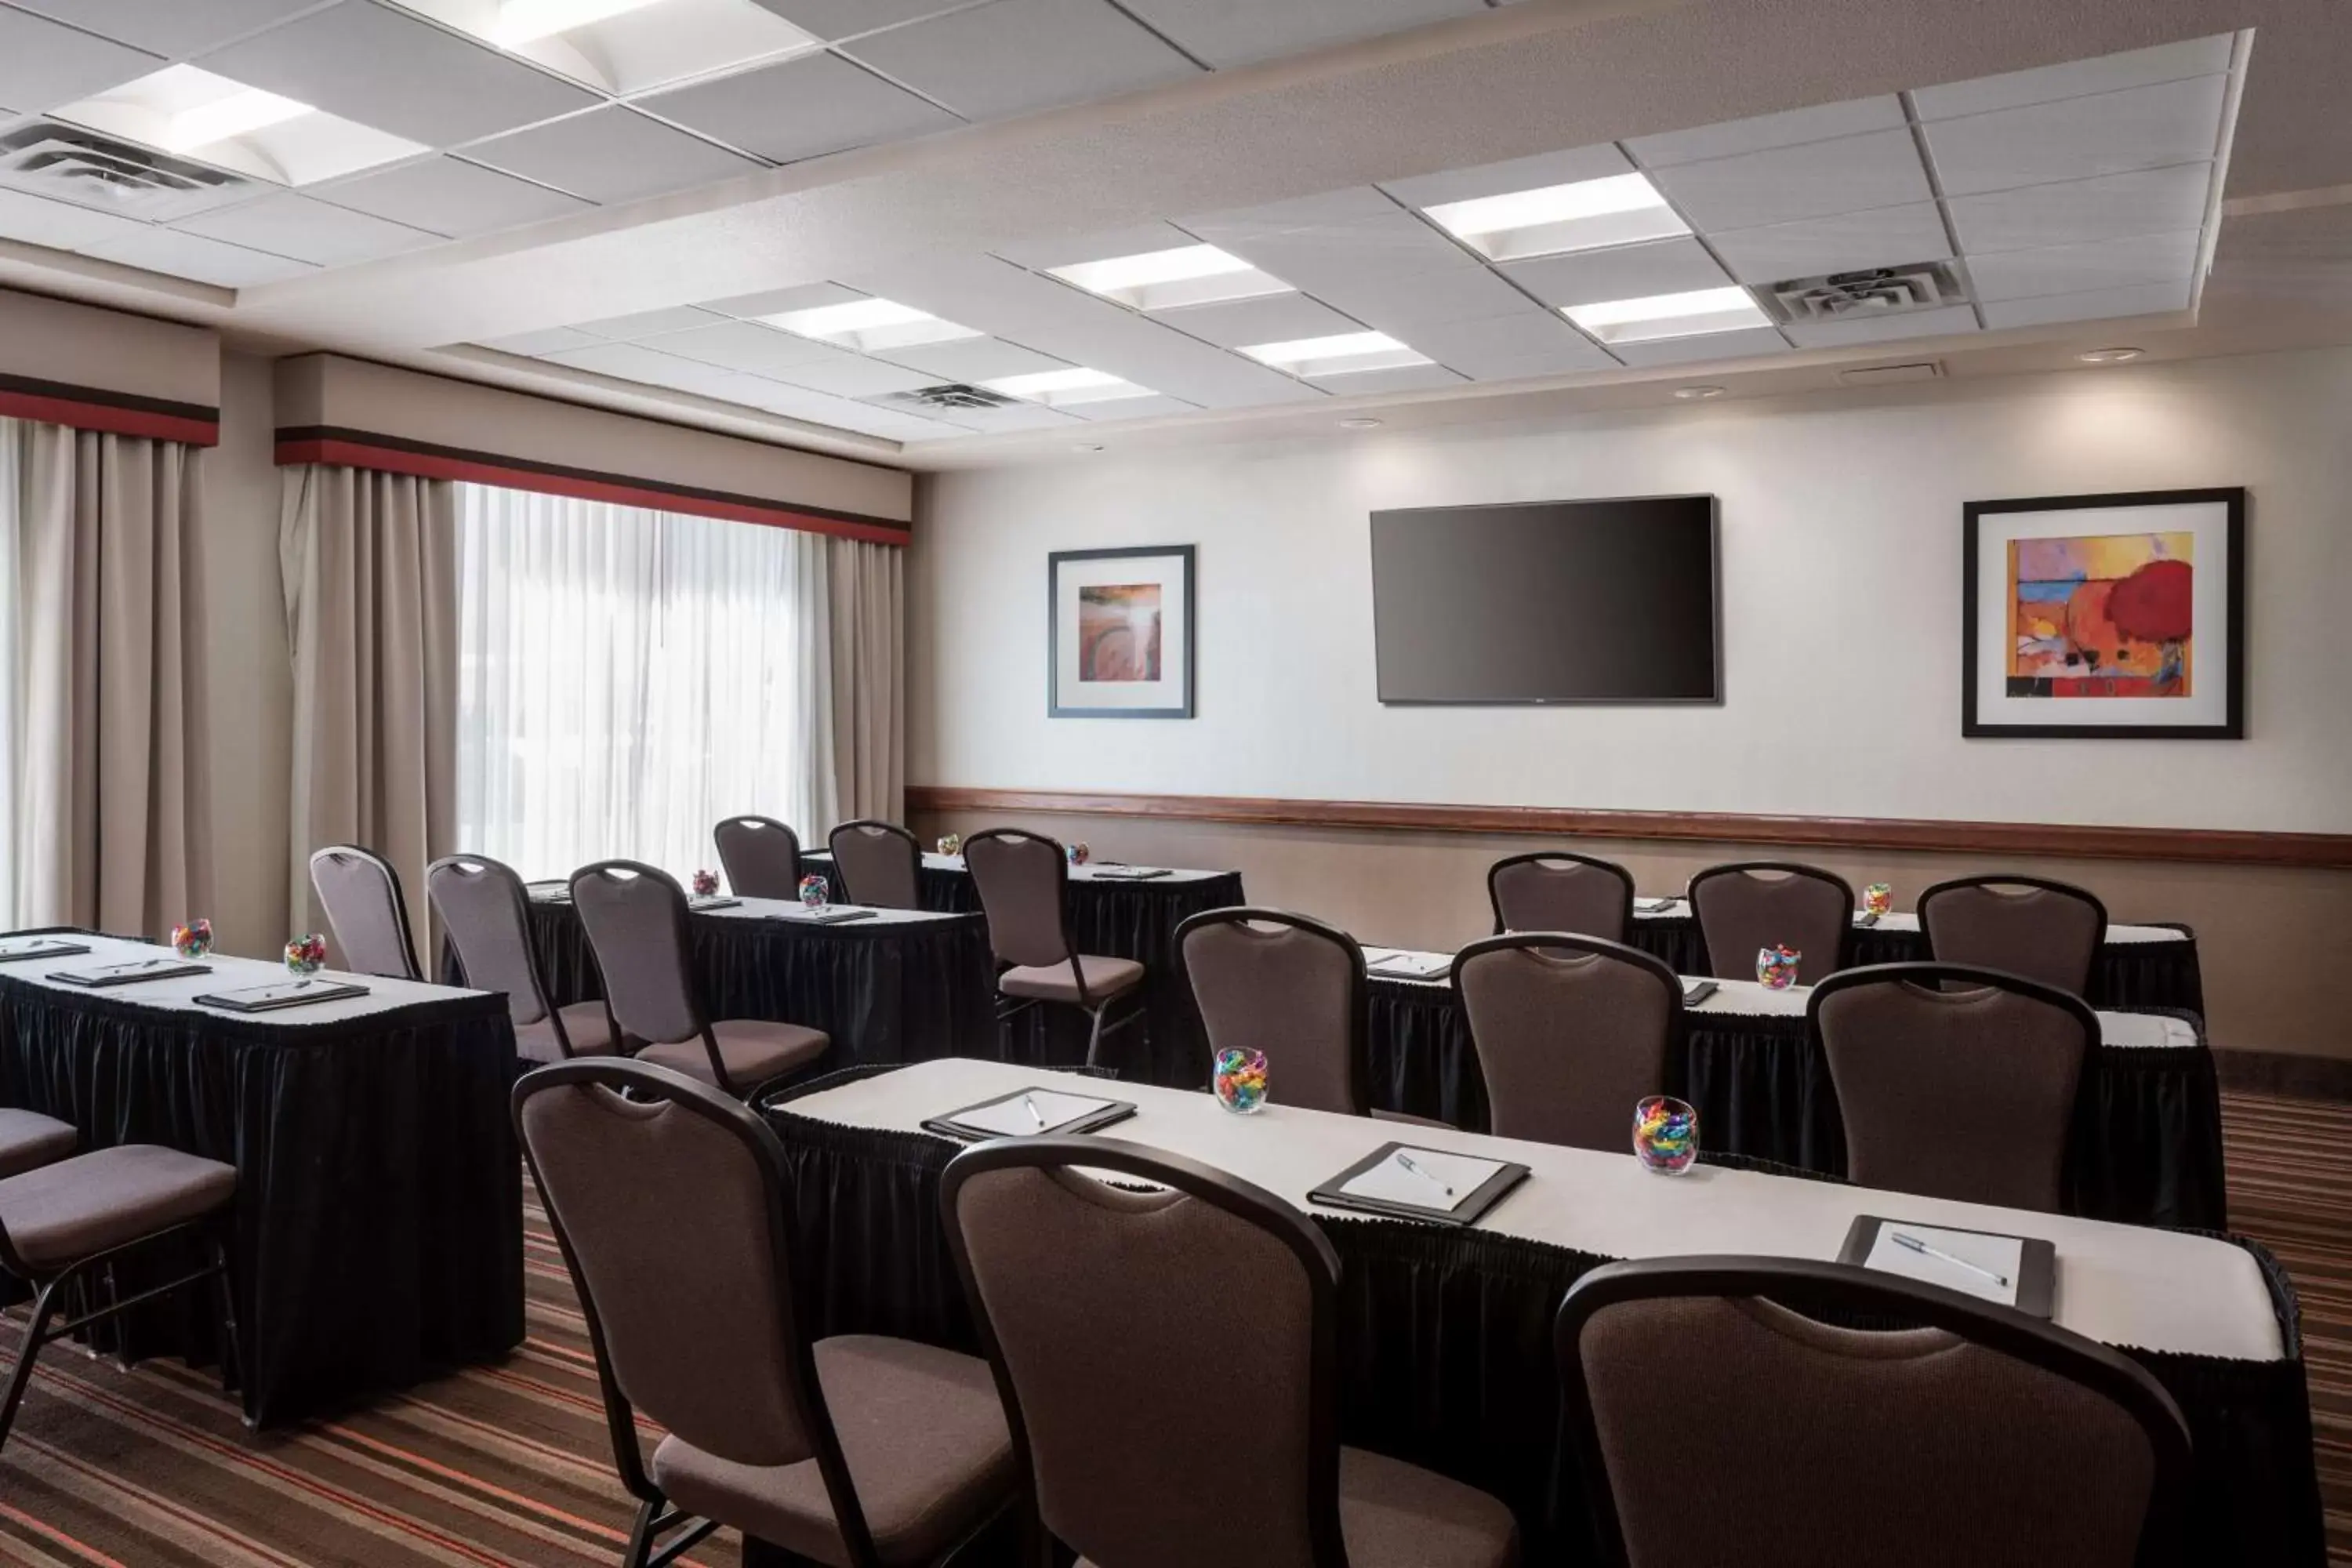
point(1119, 639)
point(2105, 617)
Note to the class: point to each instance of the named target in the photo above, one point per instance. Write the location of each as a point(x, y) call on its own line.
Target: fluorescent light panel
point(1338, 354)
point(871, 325)
point(528, 21)
point(195, 113)
point(240, 112)
point(1163, 279)
point(1656, 316)
point(1068, 388)
point(1622, 209)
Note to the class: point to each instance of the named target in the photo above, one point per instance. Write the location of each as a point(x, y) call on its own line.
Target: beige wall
point(82, 345)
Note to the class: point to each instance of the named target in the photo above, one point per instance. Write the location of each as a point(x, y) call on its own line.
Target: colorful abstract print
point(2103, 615)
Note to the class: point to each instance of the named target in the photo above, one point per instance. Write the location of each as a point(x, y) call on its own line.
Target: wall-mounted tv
point(1581, 601)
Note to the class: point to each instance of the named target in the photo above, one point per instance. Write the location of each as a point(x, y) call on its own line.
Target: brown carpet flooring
point(509, 1464)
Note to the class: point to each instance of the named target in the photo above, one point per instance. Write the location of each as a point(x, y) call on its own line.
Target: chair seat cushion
point(585, 1021)
point(754, 1050)
point(1105, 978)
point(28, 1138)
point(93, 1202)
point(922, 1431)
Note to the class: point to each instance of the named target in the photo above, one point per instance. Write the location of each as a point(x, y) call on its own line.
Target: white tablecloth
point(180, 993)
point(1678, 908)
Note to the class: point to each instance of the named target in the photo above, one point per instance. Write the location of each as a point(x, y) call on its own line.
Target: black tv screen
point(1587, 601)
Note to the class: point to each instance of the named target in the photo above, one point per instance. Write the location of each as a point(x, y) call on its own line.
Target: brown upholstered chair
point(1754, 904)
point(1572, 1033)
point(485, 912)
point(2045, 931)
point(361, 893)
point(856, 1451)
point(1296, 991)
point(29, 1139)
point(1954, 1082)
point(1720, 1420)
point(1132, 1416)
point(636, 918)
point(879, 863)
point(1022, 879)
point(1555, 891)
point(760, 856)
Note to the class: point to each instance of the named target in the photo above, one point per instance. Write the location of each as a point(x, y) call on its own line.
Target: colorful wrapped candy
point(1777, 967)
point(706, 884)
point(1665, 1135)
point(951, 843)
point(1078, 851)
point(814, 890)
point(194, 940)
point(306, 955)
point(1878, 899)
point(1240, 1080)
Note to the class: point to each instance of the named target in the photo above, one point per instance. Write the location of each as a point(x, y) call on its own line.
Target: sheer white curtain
point(13, 911)
point(626, 678)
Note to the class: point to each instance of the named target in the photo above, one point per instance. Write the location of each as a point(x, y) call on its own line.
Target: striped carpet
point(509, 1464)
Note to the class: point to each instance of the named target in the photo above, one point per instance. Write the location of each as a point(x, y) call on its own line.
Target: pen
point(1916, 1244)
point(1040, 1115)
point(1406, 1160)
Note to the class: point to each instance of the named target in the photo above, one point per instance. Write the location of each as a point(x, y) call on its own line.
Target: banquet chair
point(1022, 879)
point(1296, 991)
point(2045, 931)
point(29, 1139)
point(1553, 889)
point(635, 918)
point(485, 912)
point(1750, 905)
point(1221, 1444)
point(361, 893)
point(1974, 1435)
point(879, 863)
point(1954, 1082)
point(1572, 1033)
point(853, 1450)
point(760, 856)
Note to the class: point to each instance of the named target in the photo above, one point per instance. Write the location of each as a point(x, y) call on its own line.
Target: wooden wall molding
point(2320, 851)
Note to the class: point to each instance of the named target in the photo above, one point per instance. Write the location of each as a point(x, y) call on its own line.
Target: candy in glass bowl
point(814, 890)
point(706, 884)
point(1777, 967)
point(1241, 1081)
point(951, 843)
point(194, 940)
point(306, 955)
point(1666, 1134)
point(1078, 851)
point(1877, 899)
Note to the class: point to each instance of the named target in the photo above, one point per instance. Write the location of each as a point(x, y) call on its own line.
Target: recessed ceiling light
point(528, 21)
point(247, 109)
point(1337, 354)
point(194, 113)
point(2109, 356)
point(1622, 209)
point(1067, 388)
point(871, 325)
point(1158, 280)
point(1697, 394)
point(1685, 315)
point(1360, 422)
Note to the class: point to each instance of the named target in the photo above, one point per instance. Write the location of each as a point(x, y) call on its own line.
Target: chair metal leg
point(641, 1539)
point(1094, 1038)
point(231, 1353)
point(19, 1376)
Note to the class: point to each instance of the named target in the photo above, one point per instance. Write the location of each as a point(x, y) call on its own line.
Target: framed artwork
point(2105, 617)
point(1118, 632)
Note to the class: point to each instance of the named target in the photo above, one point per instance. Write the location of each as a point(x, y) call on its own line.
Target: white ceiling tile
point(1268, 318)
point(647, 323)
point(1016, 55)
point(2148, 201)
point(833, 19)
point(1045, 254)
point(193, 256)
point(855, 375)
point(1404, 378)
point(397, 73)
point(2076, 78)
point(1507, 348)
point(174, 27)
point(1823, 123)
point(1623, 272)
point(1572, 167)
point(1236, 32)
point(2098, 304)
point(1936, 323)
point(1121, 408)
point(61, 226)
point(801, 109)
point(973, 359)
point(554, 340)
point(2077, 137)
point(1847, 242)
point(744, 346)
point(1015, 416)
point(43, 64)
point(1746, 343)
point(450, 196)
point(611, 154)
point(629, 362)
point(1338, 210)
point(2075, 269)
point(307, 230)
point(822, 407)
point(1815, 180)
point(776, 302)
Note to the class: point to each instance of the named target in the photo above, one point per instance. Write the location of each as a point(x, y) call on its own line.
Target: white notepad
point(1390, 1182)
point(1012, 1118)
point(2003, 1255)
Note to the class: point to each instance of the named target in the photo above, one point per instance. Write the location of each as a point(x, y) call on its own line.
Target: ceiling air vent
point(1879, 292)
point(952, 394)
point(67, 163)
point(1893, 375)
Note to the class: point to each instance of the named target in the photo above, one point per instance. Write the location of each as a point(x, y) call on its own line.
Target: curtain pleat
point(868, 685)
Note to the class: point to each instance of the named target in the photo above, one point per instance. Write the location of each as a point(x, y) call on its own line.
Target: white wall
point(1841, 568)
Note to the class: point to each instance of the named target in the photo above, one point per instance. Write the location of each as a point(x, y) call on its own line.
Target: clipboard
point(1129, 873)
point(40, 947)
point(823, 915)
point(951, 1124)
point(712, 902)
point(137, 972)
point(1465, 1208)
point(282, 993)
point(1698, 990)
point(2036, 1287)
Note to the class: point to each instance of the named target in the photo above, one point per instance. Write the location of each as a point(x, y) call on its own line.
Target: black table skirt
point(2147, 1147)
point(1446, 1348)
point(378, 1234)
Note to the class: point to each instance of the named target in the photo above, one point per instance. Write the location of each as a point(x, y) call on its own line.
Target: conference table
point(377, 1236)
point(1446, 1356)
point(2145, 1148)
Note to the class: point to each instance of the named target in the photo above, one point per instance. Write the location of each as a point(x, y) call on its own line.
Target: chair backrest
point(635, 918)
point(1754, 904)
point(1155, 1352)
point(879, 863)
point(1981, 1435)
point(760, 856)
point(1555, 891)
point(1021, 878)
point(2045, 931)
point(1296, 992)
point(361, 893)
point(1572, 1033)
point(485, 910)
point(1954, 1082)
point(690, 1302)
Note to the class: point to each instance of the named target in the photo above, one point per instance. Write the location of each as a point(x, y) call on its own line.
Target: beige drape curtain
point(104, 718)
point(866, 681)
point(369, 564)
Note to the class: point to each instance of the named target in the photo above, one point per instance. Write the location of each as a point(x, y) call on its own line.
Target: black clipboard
point(702, 902)
point(41, 947)
point(100, 980)
point(2037, 1261)
point(1130, 873)
point(947, 1126)
point(1698, 990)
point(1426, 977)
point(282, 993)
point(1466, 1210)
point(823, 915)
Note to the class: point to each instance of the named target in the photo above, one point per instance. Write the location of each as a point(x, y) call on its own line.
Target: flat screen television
point(1581, 601)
